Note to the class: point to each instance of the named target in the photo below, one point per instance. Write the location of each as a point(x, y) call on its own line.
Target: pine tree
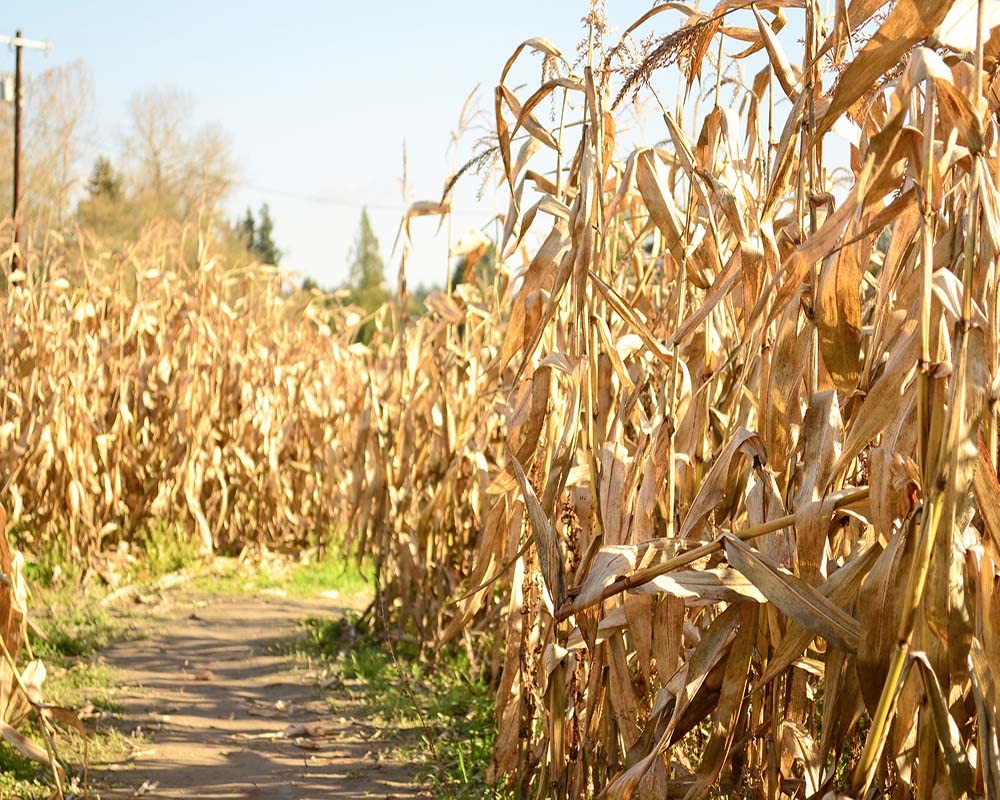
point(263, 243)
point(104, 181)
point(367, 275)
point(106, 211)
point(367, 269)
point(246, 228)
point(258, 236)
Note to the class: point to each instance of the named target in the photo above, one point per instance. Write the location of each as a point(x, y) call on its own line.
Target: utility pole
point(19, 43)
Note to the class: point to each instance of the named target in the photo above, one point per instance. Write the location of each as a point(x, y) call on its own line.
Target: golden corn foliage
point(139, 391)
point(740, 530)
point(425, 452)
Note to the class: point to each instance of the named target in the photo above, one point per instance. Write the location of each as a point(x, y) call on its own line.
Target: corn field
point(705, 479)
point(141, 393)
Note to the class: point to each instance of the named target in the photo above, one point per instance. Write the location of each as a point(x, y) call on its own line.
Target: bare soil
point(224, 710)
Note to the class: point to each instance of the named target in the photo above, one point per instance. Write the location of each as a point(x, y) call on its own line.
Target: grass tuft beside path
point(453, 714)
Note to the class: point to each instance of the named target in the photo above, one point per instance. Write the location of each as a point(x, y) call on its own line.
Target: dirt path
point(222, 709)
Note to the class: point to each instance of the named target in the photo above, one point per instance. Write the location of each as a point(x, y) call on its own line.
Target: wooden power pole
point(19, 43)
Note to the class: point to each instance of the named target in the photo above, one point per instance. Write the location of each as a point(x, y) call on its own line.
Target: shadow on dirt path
point(227, 713)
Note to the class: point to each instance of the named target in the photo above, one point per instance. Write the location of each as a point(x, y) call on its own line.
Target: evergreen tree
point(104, 181)
point(263, 242)
point(367, 274)
point(258, 236)
point(246, 228)
point(367, 269)
point(106, 210)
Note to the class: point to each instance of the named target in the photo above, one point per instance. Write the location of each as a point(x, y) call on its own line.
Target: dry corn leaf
point(909, 22)
point(713, 487)
point(799, 601)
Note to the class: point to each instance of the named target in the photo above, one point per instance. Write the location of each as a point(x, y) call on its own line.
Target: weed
point(334, 572)
point(21, 779)
point(75, 627)
point(76, 631)
point(47, 566)
point(166, 548)
point(453, 711)
point(85, 682)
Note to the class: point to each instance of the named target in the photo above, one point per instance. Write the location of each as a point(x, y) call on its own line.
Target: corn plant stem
point(718, 73)
point(941, 485)
point(926, 276)
point(768, 150)
point(879, 730)
point(958, 434)
point(674, 367)
point(980, 51)
point(643, 576)
point(644, 276)
point(992, 431)
point(559, 149)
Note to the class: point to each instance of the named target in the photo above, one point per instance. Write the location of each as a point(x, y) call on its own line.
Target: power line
point(342, 203)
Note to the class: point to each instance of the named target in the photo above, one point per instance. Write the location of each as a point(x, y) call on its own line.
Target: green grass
point(76, 628)
point(20, 778)
point(162, 548)
point(335, 572)
point(85, 682)
point(158, 549)
point(452, 712)
point(73, 631)
point(48, 565)
point(165, 549)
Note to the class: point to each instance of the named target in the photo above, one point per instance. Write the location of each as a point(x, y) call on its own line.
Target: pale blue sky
point(316, 97)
